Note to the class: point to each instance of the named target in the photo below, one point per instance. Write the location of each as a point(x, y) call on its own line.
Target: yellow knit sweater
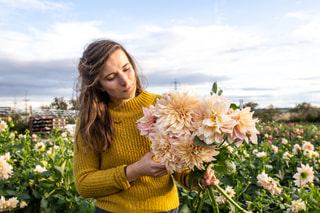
point(102, 176)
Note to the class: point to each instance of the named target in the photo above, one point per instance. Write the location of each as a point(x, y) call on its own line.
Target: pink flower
point(146, 124)
point(245, 128)
point(308, 146)
point(269, 184)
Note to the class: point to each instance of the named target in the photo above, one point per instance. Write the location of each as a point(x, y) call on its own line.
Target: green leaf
point(199, 142)
point(234, 106)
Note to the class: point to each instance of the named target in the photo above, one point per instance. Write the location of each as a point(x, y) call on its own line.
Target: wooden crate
point(45, 124)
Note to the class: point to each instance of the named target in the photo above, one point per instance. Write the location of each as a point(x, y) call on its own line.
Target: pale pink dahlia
point(174, 113)
point(304, 175)
point(146, 123)
point(245, 128)
point(269, 184)
point(296, 149)
point(307, 146)
point(215, 120)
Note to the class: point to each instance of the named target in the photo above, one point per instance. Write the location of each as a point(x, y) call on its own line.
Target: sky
point(261, 51)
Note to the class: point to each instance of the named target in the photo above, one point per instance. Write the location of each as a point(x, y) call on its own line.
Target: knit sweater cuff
point(121, 178)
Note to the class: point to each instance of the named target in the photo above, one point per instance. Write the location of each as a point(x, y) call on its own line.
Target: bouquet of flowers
point(191, 132)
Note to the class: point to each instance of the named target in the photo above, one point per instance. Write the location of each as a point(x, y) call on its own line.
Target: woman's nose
point(124, 79)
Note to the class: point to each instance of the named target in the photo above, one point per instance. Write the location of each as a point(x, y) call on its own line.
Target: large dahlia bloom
point(215, 120)
point(174, 113)
point(193, 155)
point(245, 128)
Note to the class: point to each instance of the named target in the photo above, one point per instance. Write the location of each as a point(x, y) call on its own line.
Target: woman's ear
point(99, 87)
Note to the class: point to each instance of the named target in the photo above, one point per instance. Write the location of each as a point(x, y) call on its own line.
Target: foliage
point(52, 190)
point(59, 103)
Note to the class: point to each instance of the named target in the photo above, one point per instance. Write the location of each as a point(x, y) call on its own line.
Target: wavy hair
point(96, 126)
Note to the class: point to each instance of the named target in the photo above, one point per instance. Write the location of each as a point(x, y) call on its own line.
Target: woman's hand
point(209, 179)
point(146, 166)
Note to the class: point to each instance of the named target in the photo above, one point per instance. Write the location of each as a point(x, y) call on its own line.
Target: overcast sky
point(262, 51)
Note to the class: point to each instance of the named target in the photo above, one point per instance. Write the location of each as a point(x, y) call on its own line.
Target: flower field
point(278, 174)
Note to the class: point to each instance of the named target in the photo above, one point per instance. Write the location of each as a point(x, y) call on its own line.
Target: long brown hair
point(95, 122)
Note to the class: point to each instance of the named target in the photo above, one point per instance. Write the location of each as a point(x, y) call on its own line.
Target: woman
point(113, 163)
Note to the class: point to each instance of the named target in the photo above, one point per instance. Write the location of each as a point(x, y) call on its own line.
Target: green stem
point(195, 203)
point(213, 201)
point(229, 199)
point(203, 198)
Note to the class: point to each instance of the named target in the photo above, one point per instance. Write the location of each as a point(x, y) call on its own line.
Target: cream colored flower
point(296, 149)
point(221, 199)
point(12, 135)
point(304, 175)
point(215, 120)
point(174, 113)
point(162, 148)
point(3, 126)
point(245, 128)
point(287, 155)
point(284, 141)
point(40, 147)
point(269, 183)
point(9, 204)
point(23, 204)
point(39, 169)
point(193, 155)
point(297, 205)
point(307, 146)
point(261, 154)
point(274, 148)
point(5, 168)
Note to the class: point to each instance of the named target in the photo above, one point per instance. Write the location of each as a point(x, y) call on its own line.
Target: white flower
point(304, 175)
point(286, 155)
point(40, 147)
point(3, 126)
point(275, 148)
point(261, 154)
point(255, 151)
point(221, 199)
point(9, 204)
point(5, 168)
point(297, 205)
point(39, 169)
point(284, 141)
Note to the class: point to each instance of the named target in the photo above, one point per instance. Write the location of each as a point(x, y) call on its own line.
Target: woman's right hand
point(146, 166)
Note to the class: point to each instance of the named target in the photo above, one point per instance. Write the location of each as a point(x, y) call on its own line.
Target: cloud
point(42, 79)
point(35, 4)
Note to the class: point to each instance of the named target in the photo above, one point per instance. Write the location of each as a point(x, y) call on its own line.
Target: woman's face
point(117, 78)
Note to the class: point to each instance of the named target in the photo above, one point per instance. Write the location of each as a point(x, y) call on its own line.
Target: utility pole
point(26, 102)
point(175, 84)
